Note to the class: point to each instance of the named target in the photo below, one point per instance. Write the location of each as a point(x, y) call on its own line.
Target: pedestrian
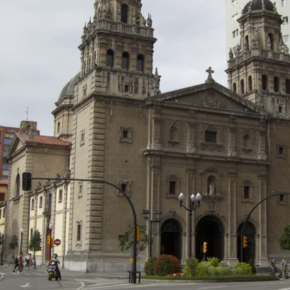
point(273, 268)
point(284, 268)
point(28, 259)
point(18, 262)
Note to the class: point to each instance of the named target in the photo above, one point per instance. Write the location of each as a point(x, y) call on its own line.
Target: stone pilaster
point(262, 140)
point(157, 129)
point(64, 221)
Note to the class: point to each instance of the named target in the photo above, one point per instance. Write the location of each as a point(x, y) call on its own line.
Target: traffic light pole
point(26, 183)
point(249, 215)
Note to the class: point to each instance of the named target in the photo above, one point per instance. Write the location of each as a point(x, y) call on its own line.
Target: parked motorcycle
point(52, 272)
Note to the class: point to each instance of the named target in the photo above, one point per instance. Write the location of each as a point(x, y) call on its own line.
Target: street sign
point(57, 242)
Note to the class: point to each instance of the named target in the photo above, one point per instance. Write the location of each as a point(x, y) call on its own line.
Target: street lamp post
point(2, 243)
point(21, 241)
point(50, 233)
point(190, 209)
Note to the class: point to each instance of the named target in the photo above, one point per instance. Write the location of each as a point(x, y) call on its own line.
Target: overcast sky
point(39, 50)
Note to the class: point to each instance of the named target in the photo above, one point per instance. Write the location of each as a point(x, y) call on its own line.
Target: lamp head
point(21, 231)
point(181, 198)
point(198, 197)
point(192, 198)
point(50, 226)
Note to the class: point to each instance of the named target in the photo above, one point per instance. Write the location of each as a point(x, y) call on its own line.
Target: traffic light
point(48, 240)
point(245, 241)
point(51, 242)
point(26, 181)
point(138, 234)
point(205, 247)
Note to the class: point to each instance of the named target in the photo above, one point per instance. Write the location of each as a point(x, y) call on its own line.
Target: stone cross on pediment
point(209, 78)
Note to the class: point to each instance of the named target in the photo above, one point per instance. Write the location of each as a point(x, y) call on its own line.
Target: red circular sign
point(57, 242)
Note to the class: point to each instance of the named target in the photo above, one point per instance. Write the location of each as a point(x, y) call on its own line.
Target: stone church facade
point(115, 125)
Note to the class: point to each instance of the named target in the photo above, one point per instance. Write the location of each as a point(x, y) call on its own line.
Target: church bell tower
point(117, 52)
point(259, 66)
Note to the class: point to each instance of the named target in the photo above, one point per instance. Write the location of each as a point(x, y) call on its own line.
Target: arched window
point(242, 87)
point(276, 84)
point(173, 134)
point(287, 86)
point(247, 42)
point(250, 83)
point(94, 58)
point(17, 186)
point(235, 87)
point(58, 127)
point(110, 58)
point(264, 82)
point(125, 61)
point(247, 141)
point(140, 63)
point(124, 13)
point(271, 41)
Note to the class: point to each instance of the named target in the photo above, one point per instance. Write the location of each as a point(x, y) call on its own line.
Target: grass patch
point(228, 278)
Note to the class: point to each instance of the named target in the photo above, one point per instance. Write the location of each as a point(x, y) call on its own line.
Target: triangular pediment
point(16, 145)
point(210, 96)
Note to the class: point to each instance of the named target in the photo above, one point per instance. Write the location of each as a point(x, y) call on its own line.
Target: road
point(35, 280)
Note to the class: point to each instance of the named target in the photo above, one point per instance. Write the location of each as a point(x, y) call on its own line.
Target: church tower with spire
point(259, 66)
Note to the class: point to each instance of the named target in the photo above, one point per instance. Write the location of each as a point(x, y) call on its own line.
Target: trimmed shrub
point(213, 261)
point(212, 271)
point(165, 265)
point(190, 267)
point(201, 269)
point(246, 268)
point(223, 264)
point(238, 271)
point(149, 266)
point(207, 264)
point(252, 264)
point(224, 271)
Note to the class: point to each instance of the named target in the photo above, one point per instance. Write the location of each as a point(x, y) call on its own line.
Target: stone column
point(263, 260)
point(156, 129)
point(232, 213)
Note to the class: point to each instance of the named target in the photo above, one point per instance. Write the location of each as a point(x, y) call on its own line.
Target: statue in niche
point(212, 188)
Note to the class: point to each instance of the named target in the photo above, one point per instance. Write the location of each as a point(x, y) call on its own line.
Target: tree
point(284, 239)
point(13, 243)
point(35, 244)
point(126, 241)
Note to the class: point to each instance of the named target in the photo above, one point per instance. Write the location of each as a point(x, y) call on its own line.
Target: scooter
point(51, 269)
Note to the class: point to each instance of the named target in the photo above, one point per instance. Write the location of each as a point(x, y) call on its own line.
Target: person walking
point(284, 268)
point(273, 268)
point(18, 263)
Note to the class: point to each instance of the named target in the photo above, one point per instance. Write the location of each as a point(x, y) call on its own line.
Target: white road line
point(83, 285)
point(217, 287)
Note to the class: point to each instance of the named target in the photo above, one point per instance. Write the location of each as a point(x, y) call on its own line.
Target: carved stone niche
point(125, 185)
point(173, 135)
point(211, 184)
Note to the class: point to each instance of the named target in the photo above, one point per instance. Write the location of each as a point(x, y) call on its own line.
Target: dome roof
point(69, 88)
point(258, 5)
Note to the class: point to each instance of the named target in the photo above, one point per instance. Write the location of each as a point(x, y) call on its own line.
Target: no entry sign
point(57, 242)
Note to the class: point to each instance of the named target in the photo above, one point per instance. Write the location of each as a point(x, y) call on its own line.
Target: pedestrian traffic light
point(137, 234)
point(26, 181)
point(48, 240)
point(205, 247)
point(51, 242)
point(245, 241)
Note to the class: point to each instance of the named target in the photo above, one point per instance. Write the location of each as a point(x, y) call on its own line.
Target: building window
point(235, 87)
point(85, 91)
point(172, 188)
point(264, 82)
point(31, 233)
point(246, 192)
point(40, 201)
point(250, 83)
point(80, 189)
point(126, 135)
point(276, 84)
point(234, 18)
point(271, 41)
point(0, 213)
point(126, 88)
point(286, 38)
point(60, 196)
point(2, 196)
point(110, 58)
point(280, 109)
point(173, 135)
point(4, 211)
point(79, 232)
point(283, 3)
point(281, 151)
point(242, 87)
point(234, 2)
point(247, 142)
point(247, 42)
point(125, 61)
point(83, 136)
point(285, 20)
point(125, 186)
point(287, 86)
point(58, 127)
point(124, 13)
point(32, 204)
point(282, 199)
point(210, 137)
point(17, 186)
point(140, 63)
point(235, 33)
